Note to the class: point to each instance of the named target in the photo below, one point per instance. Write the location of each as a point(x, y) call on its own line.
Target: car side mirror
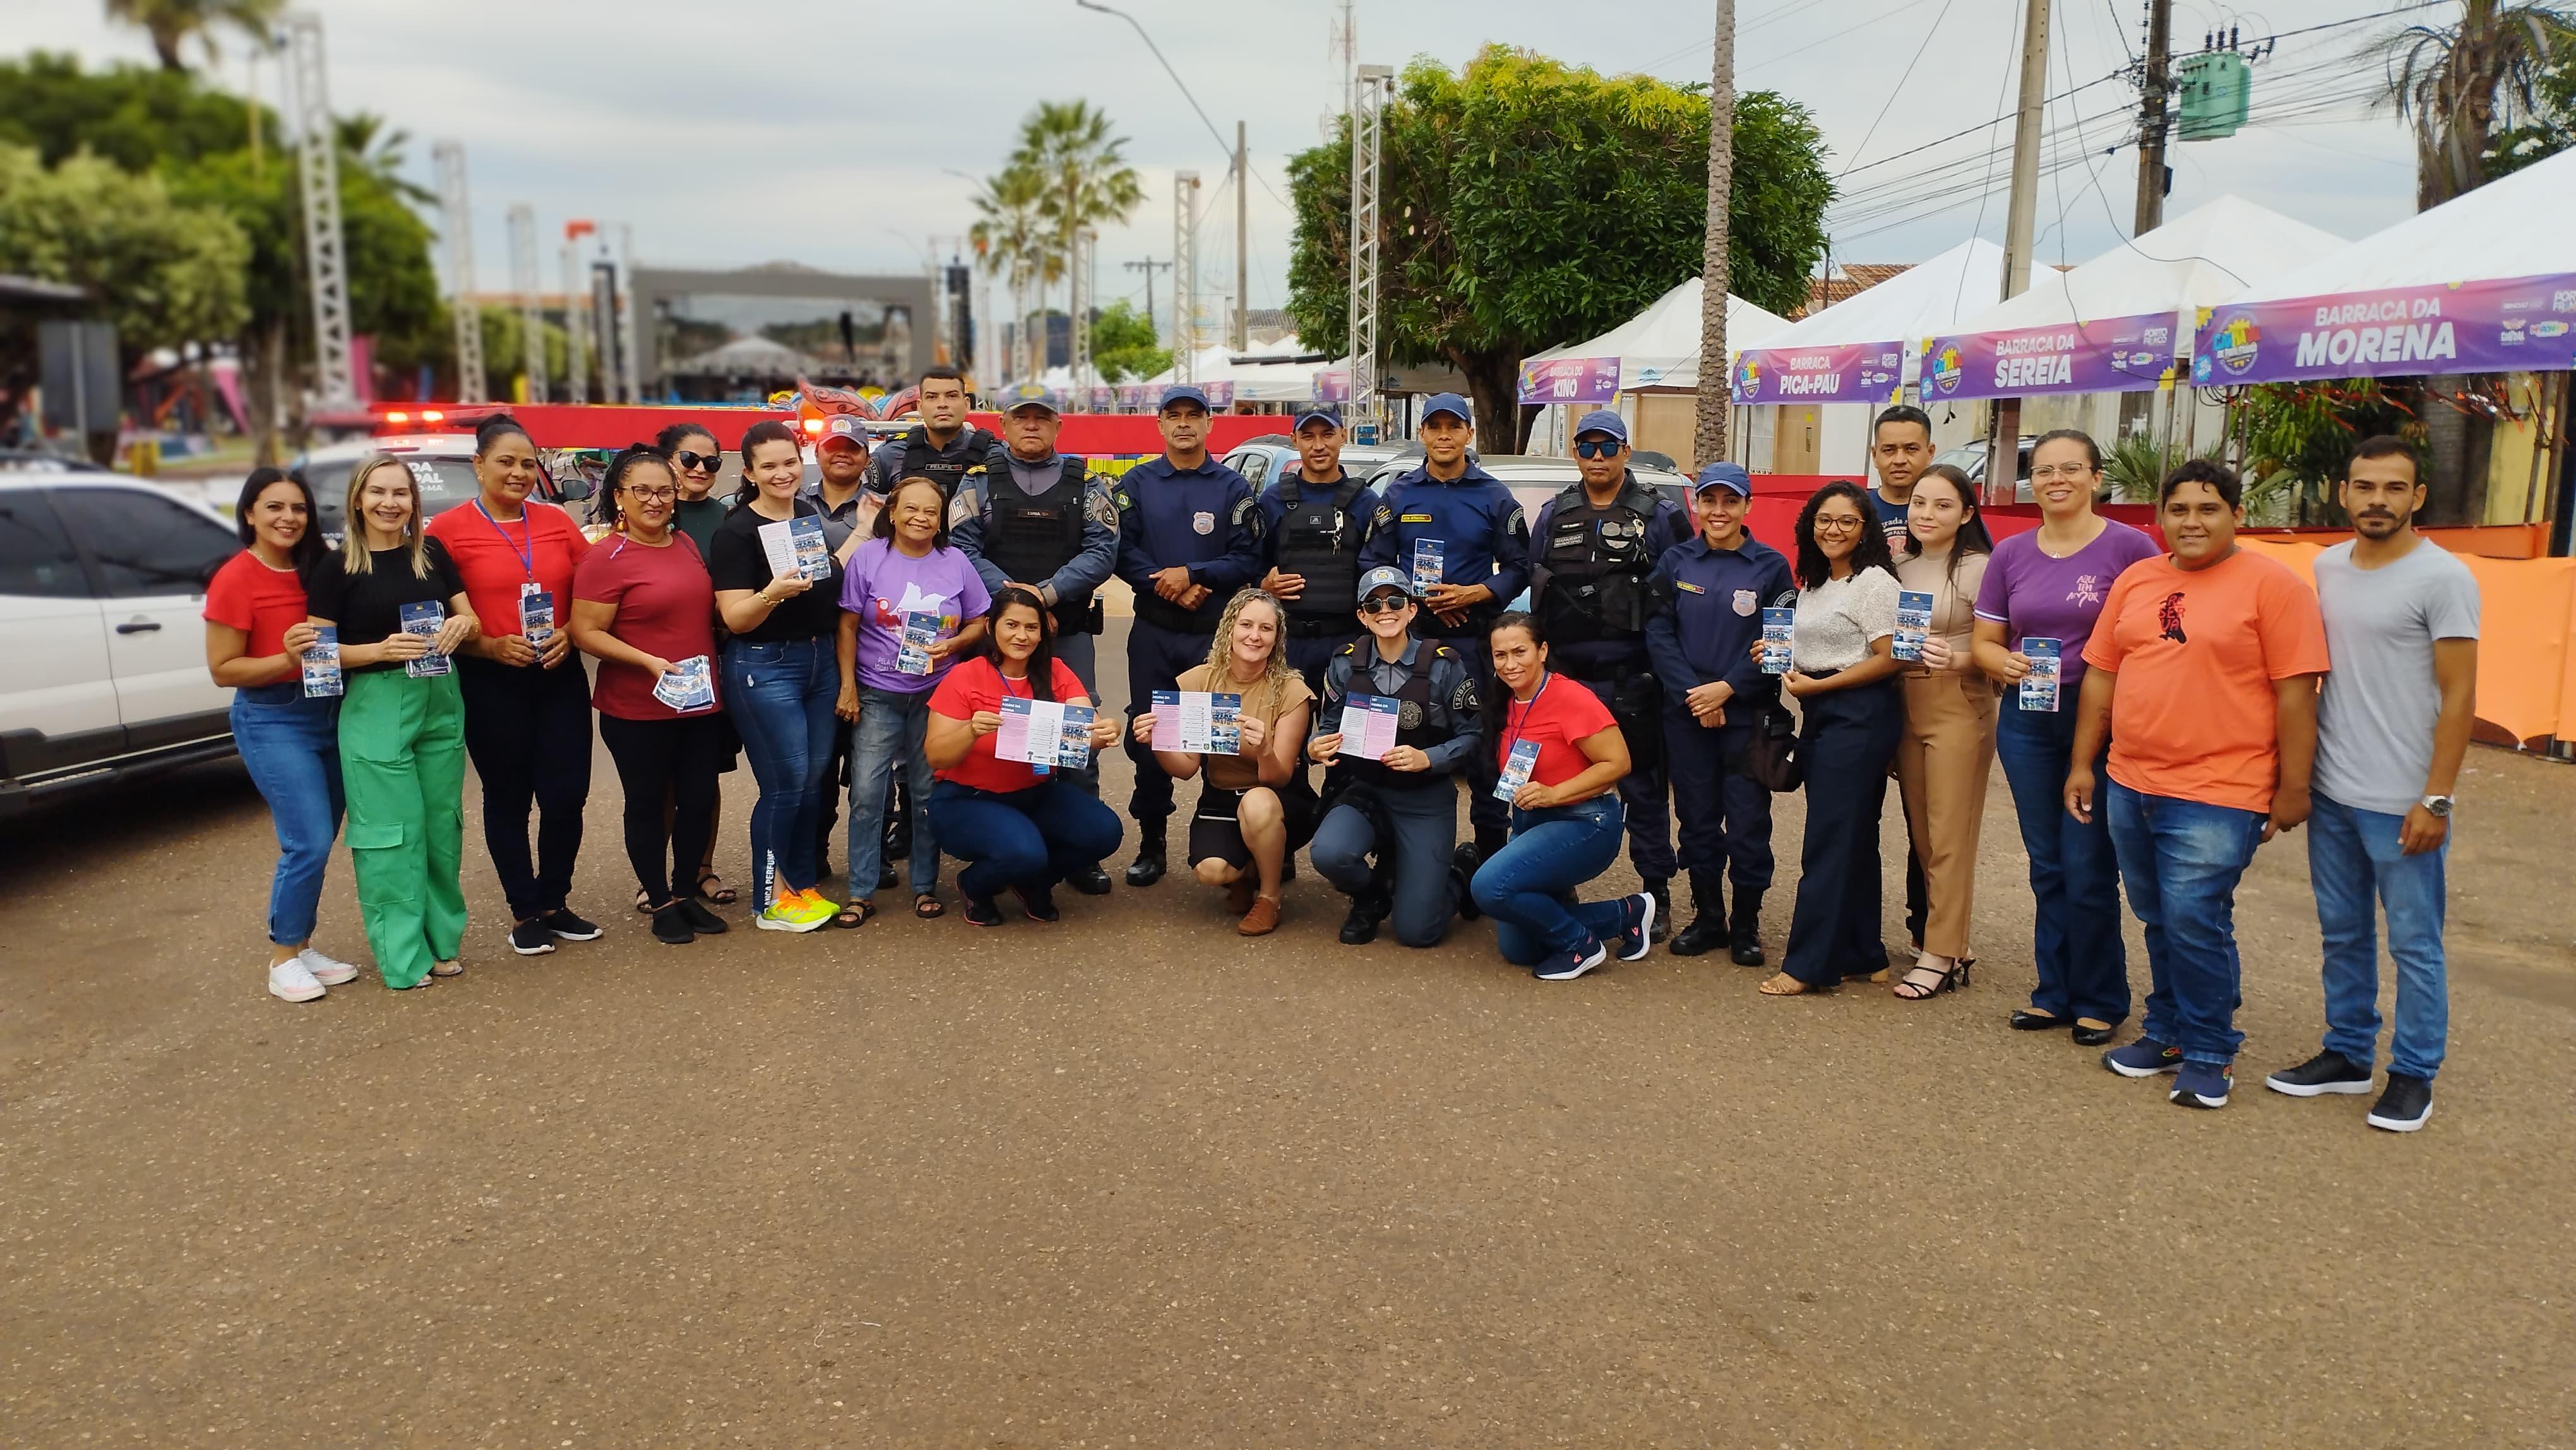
point(574, 489)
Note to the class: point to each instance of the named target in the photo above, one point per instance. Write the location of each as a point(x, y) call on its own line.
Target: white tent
point(1266, 373)
point(1666, 336)
point(2523, 225)
point(2197, 260)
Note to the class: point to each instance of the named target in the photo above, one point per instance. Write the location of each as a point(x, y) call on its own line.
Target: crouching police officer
point(1188, 537)
point(1711, 593)
point(1461, 534)
point(941, 447)
point(1403, 805)
point(1028, 515)
point(1315, 521)
point(1595, 546)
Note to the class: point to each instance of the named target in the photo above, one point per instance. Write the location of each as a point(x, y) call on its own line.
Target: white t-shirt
point(1840, 619)
point(2376, 713)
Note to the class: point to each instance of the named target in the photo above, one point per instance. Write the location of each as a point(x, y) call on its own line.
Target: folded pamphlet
point(1516, 771)
point(797, 544)
point(920, 631)
point(1369, 724)
point(2039, 687)
point(1913, 623)
point(426, 617)
point(322, 663)
point(689, 686)
point(1429, 555)
point(1777, 626)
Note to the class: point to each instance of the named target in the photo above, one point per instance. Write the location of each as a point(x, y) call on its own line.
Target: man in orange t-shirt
point(2204, 674)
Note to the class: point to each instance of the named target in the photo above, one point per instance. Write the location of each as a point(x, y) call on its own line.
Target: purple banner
point(1570, 380)
point(2520, 324)
point(2105, 355)
point(1859, 372)
point(1104, 399)
point(1132, 395)
point(1333, 385)
point(1220, 395)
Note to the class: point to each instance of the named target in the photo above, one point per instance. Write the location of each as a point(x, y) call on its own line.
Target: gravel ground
point(1134, 1180)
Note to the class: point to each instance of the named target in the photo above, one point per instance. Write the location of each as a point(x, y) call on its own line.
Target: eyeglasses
point(1837, 523)
point(2064, 470)
point(650, 495)
point(1604, 448)
point(1385, 604)
point(694, 462)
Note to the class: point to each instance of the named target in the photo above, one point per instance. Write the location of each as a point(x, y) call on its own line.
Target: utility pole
point(1148, 267)
point(1078, 329)
point(456, 219)
point(1185, 278)
point(1716, 370)
point(318, 150)
point(630, 386)
point(576, 317)
point(2003, 450)
point(1242, 244)
point(2153, 110)
point(1372, 89)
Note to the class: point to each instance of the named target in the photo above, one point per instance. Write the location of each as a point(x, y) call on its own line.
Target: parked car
point(442, 463)
point(36, 460)
point(102, 580)
point(1970, 459)
point(1262, 460)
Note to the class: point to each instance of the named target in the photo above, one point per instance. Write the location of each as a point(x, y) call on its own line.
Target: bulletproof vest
point(1597, 561)
point(1029, 538)
point(1426, 719)
point(1320, 541)
point(923, 461)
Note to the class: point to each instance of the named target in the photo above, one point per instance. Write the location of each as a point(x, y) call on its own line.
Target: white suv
point(102, 585)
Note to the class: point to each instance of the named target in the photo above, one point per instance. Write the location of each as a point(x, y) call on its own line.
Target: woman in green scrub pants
point(402, 734)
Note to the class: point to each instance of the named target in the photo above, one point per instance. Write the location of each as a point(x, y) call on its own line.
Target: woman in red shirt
point(644, 607)
point(1015, 824)
point(527, 703)
point(1561, 757)
point(256, 636)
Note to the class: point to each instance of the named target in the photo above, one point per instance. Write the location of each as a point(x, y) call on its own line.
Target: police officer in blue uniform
point(1476, 530)
point(1316, 520)
point(1189, 536)
point(1711, 593)
point(1402, 807)
point(1595, 546)
point(1029, 515)
point(941, 447)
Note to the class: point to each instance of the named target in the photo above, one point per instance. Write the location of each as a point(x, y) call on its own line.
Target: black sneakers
point(2327, 1072)
point(2405, 1106)
point(531, 939)
point(671, 927)
point(982, 913)
point(704, 922)
point(1039, 905)
point(568, 926)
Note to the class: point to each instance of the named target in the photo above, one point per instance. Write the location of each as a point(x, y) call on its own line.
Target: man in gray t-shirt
point(2393, 722)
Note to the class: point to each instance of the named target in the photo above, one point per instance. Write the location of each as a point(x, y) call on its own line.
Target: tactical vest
point(1424, 723)
point(1030, 537)
point(1597, 562)
point(1320, 542)
point(923, 461)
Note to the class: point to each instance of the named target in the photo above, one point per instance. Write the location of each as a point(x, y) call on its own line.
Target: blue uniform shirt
point(1484, 535)
point(1710, 615)
point(1202, 517)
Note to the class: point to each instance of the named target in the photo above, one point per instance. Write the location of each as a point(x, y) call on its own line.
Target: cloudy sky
point(827, 134)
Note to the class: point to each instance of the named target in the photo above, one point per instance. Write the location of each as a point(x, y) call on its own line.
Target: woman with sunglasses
point(527, 702)
point(1948, 748)
point(1256, 809)
point(402, 613)
point(1566, 751)
point(1842, 673)
point(696, 460)
point(256, 636)
point(644, 608)
point(1015, 826)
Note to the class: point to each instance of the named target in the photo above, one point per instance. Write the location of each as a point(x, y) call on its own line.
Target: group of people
point(916, 631)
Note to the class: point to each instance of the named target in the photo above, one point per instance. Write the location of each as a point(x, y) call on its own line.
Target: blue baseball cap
point(1447, 403)
point(1029, 395)
point(1603, 420)
point(842, 428)
point(1727, 476)
point(1183, 393)
point(1386, 576)
point(1331, 417)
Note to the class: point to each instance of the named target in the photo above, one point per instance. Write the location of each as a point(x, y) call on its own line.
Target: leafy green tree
point(2549, 125)
point(1123, 344)
point(1526, 202)
point(132, 115)
point(2298, 437)
point(164, 273)
point(173, 23)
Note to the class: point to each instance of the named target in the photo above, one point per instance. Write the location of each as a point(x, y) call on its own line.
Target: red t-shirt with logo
point(1561, 713)
point(496, 556)
point(259, 601)
point(977, 685)
point(665, 606)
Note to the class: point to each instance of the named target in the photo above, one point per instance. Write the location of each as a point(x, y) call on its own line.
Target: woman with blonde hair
point(1256, 808)
point(400, 609)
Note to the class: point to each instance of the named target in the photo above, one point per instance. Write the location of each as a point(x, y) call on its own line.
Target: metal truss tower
point(1185, 277)
point(457, 217)
point(524, 281)
point(1370, 92)
point(318, 152)
point(1085, 243)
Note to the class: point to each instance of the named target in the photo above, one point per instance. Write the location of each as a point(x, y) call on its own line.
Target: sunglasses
point(1605, 448)
point(1385, 604)
point(711, 462)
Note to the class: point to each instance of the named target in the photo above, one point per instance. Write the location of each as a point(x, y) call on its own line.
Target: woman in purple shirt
point(909, 604)
point(2048, 586)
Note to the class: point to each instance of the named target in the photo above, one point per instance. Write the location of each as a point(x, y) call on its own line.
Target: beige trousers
point(1942, 761)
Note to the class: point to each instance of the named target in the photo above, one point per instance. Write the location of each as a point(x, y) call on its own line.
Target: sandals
point(855, 915)
point(1945, 979)
point(1781, 984)
point(926, 906)
point(643, 901)
point(449, 968)
point(722, 895)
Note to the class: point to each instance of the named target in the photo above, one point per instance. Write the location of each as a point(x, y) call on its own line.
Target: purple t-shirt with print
point(2036, 597)
point(883, 584)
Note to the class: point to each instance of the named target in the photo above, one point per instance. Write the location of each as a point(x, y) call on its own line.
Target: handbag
point(1771, 755)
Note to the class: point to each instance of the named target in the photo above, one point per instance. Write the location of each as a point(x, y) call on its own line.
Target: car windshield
point(444, 484)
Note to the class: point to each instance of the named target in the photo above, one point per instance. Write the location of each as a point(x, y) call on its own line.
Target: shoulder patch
point(1124, 502)
point(1244, 508)
point(1383, 517)
point(1463, 699)
point(1100, 510)
point(1517, 525)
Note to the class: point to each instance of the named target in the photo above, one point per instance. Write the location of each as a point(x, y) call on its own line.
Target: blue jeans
point(1030, 838)
point(890, 730)
point(780, 696)
point(2181, 861)
point(1412, 868)
point(1528, 888)
point(2074, 878)
point(2352, 855)
point(291, 746)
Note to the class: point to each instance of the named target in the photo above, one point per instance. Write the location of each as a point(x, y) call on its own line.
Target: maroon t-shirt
point(666, 606)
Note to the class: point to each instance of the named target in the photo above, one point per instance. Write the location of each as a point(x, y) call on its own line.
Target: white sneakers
point(302, 977)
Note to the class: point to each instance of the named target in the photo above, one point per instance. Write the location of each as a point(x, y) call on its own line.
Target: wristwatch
point(2439, 805)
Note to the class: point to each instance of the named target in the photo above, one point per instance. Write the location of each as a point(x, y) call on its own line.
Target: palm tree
point(173, 23)
point(1087, 180)
point(381, 149)
point(1716, 374)
point(1010, 233)
point(2461, 83)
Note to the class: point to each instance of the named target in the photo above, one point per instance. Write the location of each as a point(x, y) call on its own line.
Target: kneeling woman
point(1403, 804)
point(1255, 808)
point(402, 722)
point(1566, 817)
point(1014, 827)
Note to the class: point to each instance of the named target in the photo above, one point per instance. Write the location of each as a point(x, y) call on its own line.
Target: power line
point(1898, 89)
